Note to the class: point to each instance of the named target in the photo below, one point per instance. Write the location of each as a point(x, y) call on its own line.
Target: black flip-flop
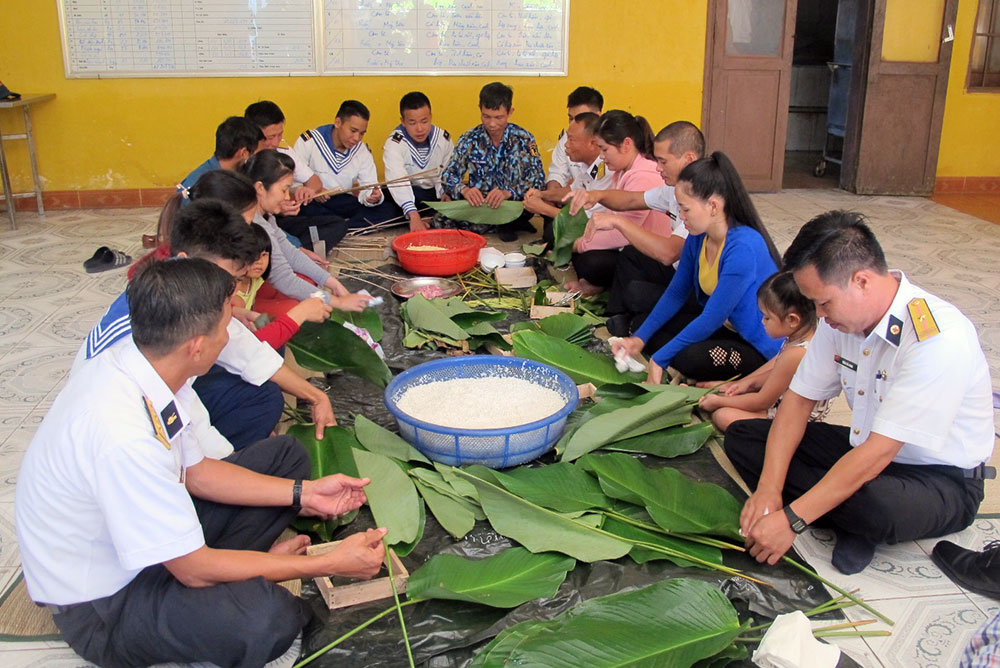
point(105, 258)
point(7, 96)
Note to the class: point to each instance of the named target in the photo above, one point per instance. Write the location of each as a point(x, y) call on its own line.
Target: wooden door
point(900, 127)
point(747, 80)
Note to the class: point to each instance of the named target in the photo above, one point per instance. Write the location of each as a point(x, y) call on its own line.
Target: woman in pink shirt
point(626, 144)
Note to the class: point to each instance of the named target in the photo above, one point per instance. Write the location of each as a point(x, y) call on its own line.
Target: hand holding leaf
point(333, 495)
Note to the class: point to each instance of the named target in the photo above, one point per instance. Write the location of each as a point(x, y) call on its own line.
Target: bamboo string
point(427, 173)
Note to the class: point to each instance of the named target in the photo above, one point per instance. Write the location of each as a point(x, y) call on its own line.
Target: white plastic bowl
point(515, 259)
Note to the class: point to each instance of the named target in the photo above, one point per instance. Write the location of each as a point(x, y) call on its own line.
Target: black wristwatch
point(297, 494)
point(798, 524)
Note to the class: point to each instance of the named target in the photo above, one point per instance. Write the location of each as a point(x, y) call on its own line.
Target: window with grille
point(984, 63)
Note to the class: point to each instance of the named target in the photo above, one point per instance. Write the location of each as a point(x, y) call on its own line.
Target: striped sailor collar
point(326, 132)
point(165, 410)
point(431, 136)
point(115, 324)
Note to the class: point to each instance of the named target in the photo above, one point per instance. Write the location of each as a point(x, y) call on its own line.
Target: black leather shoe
point(978, 572)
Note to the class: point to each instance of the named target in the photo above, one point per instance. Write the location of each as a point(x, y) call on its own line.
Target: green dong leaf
point(454, 516)
point(561, 487)
point(675, 503)
point(620, 424)
point(540, 529)
point(391, 496)
point(328, 346)
point(566, 229)
point(368, 320)
point(333, 454)
point(426, 315)
point(673, 623)
point(507, 212)
point(667, 443)
point(504, 580)
point(378, 439)
point(642, 554)
point(581, 365)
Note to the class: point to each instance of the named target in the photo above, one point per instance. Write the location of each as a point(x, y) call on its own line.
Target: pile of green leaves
point(329, 346)
point(569, 327)
point(566, 229)
point(636, 417)
point(598, 508)
point(449, 323)
point(581, 365)
point(507, 212)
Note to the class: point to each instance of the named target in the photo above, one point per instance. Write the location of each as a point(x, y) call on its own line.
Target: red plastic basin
point(460, 255)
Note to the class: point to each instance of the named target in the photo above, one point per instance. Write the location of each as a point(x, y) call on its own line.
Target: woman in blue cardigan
point(725, 258)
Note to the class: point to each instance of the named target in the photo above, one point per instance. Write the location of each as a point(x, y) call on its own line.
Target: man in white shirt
point(585, 164)
point(564, 168)
point(331, 229)
point(340, 158)
point(912, 463)
point(145, 550)
point(645, 267)
point(416, 146)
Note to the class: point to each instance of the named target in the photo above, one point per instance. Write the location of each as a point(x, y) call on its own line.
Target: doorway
point(890, 59)
point(814, 142)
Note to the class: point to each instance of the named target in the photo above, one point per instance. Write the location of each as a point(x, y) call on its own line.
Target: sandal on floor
point(105, 258)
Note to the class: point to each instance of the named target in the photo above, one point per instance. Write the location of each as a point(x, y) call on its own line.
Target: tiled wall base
point(56, 200)
point(967, 184)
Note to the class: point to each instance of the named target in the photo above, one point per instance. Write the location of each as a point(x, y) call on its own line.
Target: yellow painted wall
point(970, 136)
point(647, 57)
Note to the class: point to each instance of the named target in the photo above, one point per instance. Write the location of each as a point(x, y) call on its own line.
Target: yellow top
point(708, 273)
point(251, 292)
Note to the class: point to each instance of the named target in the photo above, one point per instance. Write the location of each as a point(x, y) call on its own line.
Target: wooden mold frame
point(363, 591)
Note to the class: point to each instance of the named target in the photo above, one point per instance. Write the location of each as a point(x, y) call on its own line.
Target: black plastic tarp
point(446, 634)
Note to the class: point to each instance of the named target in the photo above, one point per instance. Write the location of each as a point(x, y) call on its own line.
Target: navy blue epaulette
point(447, 135)
point(397, 137)
point(307, 135)
point(561, 133)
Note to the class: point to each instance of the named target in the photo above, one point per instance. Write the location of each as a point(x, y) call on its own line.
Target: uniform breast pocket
point(848, 371)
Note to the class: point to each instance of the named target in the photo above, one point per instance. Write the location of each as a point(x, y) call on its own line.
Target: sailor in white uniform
point(337, 154)
point(416, 146)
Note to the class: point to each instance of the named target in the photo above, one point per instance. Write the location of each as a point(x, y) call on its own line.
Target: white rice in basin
point(492, 402)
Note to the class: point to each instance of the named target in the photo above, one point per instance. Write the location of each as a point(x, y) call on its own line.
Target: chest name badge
point(924, 324)
point(845, 362)
point(158, 431)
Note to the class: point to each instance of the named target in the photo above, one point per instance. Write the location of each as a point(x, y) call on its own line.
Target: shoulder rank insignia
point(923, 321)
point(447, 135)
point(894, 331)
point(397, 137)
point(171, 419)
point(158, 430)
point(561, 134)
point(533, 149)
point(307, 135)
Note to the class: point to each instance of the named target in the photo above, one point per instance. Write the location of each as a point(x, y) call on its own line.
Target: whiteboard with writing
point(181, 38)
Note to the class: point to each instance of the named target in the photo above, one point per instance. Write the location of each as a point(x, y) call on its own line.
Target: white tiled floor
point(48, 303)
